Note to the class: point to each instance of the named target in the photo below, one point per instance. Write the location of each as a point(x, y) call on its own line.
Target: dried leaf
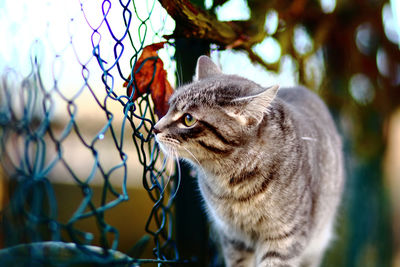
point(150, 77)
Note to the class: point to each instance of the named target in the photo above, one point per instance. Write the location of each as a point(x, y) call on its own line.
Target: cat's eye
point(188, 120)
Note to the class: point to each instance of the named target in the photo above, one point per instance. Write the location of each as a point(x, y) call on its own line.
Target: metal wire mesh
point(35, 144)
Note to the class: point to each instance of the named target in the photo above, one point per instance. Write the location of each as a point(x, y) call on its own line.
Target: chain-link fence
point(71, 122)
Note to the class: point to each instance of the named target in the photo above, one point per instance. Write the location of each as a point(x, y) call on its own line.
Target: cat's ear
point(206, 68)
point(255, 106)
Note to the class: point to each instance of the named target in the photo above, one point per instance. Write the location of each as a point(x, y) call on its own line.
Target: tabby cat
point(269, 163)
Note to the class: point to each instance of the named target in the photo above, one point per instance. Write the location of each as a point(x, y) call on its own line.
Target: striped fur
point(269, 163)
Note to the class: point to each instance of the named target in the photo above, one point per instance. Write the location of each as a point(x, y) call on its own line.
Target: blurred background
point(347, 51)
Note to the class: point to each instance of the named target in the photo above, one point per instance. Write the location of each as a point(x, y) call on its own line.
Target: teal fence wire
point(42, 123)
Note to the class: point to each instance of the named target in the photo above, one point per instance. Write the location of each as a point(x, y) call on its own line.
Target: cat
point(269, 162)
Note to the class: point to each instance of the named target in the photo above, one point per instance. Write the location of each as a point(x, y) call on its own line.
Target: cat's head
point(212, 116)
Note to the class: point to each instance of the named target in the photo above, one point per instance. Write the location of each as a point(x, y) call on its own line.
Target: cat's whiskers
point(170, 141)
point(172, 144)
point(178, 166)
point(180, 74)
point(171, 155)
point(194, 157)
point(308, 138)
point(167, 145)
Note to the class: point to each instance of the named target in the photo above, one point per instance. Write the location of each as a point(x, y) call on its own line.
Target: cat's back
point(309, 108)
point(302, 98)
point(321, 141)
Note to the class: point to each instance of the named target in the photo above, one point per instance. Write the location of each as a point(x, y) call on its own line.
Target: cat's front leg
point(268, 255)
point(237, 253)
point(275, 259)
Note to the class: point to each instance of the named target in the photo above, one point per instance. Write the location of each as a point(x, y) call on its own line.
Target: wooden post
point(191, 223)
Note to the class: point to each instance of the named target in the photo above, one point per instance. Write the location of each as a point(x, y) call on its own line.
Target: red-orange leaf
point(150, 77)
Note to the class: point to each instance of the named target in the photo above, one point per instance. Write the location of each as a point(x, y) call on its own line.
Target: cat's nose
point(156, 130)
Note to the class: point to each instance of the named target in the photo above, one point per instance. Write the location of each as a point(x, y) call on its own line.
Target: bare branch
point(194, 22)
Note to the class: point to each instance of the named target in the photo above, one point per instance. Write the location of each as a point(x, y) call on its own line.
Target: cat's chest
point(238, 212)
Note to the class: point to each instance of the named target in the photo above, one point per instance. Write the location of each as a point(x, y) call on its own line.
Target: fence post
point(191, 225)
